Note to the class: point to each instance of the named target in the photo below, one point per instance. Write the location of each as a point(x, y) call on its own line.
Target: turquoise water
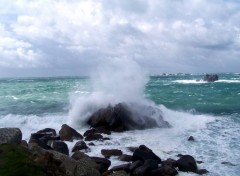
point(184, 93)
point(38, 96)
point(208, 111)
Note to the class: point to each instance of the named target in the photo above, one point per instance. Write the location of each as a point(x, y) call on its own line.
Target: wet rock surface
point(10, 136)
point(120, 118)
point(67, 133)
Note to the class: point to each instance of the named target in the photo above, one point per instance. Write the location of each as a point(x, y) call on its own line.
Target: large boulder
point(79, 155)
point(210, 77)
point(10, 136)
point(107, 153)
point(80, 145)
point(70, 166)
point(143, 153)
point(123, 116)
point(60, 147)
point(187, 164)
point(86, 166)
point(44, 138)
point(164, 170)
point(67, 133)
point(102, 163)
point(94, 136)
point(48, 131)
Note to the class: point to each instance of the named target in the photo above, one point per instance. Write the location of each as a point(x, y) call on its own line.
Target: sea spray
point(117, 81)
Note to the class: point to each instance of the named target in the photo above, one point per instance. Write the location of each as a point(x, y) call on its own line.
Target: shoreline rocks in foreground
point(45, 155)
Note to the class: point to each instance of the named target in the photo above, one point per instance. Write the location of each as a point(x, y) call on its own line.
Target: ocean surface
point(210, 112)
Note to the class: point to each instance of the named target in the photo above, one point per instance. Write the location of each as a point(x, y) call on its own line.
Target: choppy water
point(208, 111)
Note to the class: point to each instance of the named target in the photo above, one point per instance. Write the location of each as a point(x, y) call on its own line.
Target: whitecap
point(15, 98)
point(189, 81)
point(228, 81)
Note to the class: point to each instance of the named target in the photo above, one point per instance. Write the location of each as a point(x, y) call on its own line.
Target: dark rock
point(210, 77)
point(79, 155)
point(152, 164)
point(10, 136)
point(170, 162)
point(187, 163)
point(125, 157)
point(80, 145)
point(199, 162)
point(179, 155)
point(46, 136)
point(202, 171)
point(69, 134)
point(106, 139)
point(144, 153)
point(135, 165)
point(121, 117)
point(103, 130)
point(124, 167)
point(92, 137)
point(88, 132)
point(120, 173)
point(228, 163)
point(60, 147)
point(107, 173)
point(24, 144)
point(132, 149)
point(141, 171)
point(48, 131)
point(86, 167)
point(72, 167)
point(165, 170)
point(50, 165)
point(102, 163)
point(107, 153)
point(91, 143)
point(191, 138)
point(41, 140)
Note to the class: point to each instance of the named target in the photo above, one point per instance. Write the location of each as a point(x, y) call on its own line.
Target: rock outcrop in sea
point(123, 117)
point(210, 77)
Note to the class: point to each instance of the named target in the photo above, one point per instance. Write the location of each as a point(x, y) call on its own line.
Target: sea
point(210, 112)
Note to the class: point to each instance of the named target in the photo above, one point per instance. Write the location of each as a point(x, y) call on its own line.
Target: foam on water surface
point(215, 142)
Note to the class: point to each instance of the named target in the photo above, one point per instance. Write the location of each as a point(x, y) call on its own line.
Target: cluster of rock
point(50, 151)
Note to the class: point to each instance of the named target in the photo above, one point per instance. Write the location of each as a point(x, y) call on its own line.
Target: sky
point(73, 37)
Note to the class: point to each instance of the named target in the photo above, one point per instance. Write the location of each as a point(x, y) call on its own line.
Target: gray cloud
point(73, 37)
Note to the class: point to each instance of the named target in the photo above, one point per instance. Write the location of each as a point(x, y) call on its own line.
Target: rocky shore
point(47, 154)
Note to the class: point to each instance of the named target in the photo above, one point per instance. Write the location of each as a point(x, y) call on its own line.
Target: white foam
point(15, 98)
point(185, 120)
point(202, 82)
point(228, 81)
point(32, 123)
point(190, 81)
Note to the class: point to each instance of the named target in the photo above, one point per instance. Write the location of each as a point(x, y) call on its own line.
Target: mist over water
point(116, 81)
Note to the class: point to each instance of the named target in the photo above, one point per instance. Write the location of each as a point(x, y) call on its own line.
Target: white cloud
point(163, 36)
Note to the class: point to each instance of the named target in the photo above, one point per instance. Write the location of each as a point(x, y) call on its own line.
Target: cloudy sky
point(72, 37)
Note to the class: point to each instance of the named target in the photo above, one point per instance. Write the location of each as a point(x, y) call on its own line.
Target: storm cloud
point(61, 38)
